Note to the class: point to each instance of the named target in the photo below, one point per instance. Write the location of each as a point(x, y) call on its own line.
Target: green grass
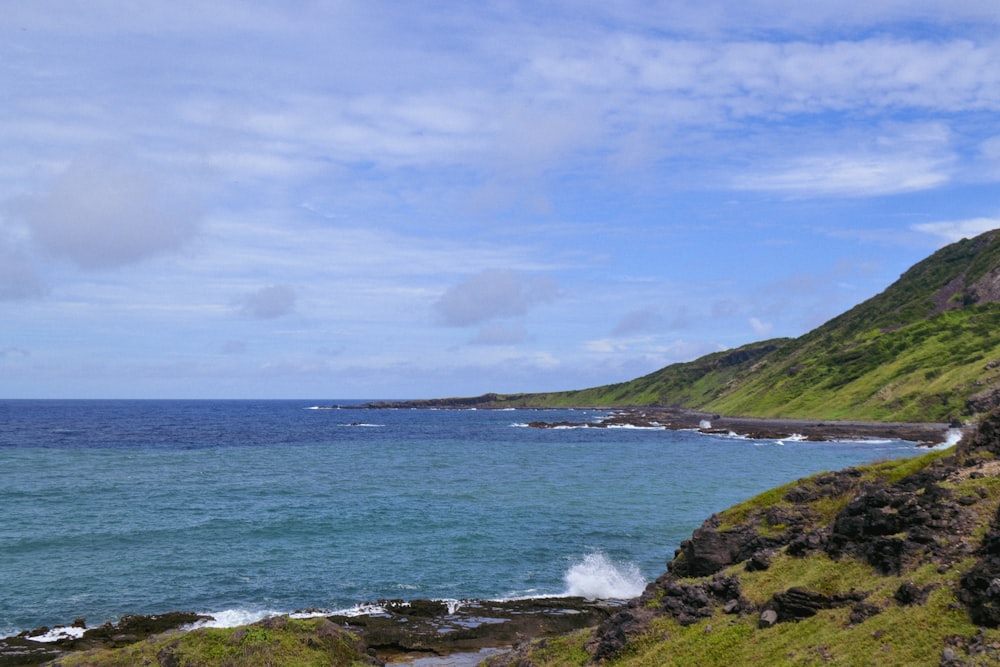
point(897, 636)
point(896, 357)
point(285, 642)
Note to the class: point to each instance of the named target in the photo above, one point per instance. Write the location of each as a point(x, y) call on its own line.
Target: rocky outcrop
point(980, 590)
point(432, 627)
point(25, 650)
point(894, 524)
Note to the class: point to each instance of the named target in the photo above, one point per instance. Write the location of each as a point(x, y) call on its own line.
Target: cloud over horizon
point(468, 197)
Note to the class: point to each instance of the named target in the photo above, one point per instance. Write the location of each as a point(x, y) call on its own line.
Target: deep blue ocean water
point(241, 508)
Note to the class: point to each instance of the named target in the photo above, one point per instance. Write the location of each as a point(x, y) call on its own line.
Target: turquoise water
point(241, 508)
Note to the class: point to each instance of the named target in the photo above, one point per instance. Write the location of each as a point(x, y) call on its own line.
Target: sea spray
point(597, 577)
point(951, 438)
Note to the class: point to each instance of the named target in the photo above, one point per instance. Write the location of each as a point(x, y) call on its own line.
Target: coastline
point(420, 632)
point(758, 428)
point(471, 622)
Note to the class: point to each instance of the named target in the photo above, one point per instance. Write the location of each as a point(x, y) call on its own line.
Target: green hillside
point(925, 349)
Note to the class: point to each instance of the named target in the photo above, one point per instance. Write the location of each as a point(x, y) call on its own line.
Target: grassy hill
point(894, 563)
point(925, 349)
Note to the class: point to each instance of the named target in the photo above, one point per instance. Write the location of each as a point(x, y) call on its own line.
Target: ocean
point(241, 509)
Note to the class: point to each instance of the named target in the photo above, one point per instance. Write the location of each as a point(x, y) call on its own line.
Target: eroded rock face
point(430, 626)
point(613, 634)
point(709, 549)
point(797, 603)
point(980, 586)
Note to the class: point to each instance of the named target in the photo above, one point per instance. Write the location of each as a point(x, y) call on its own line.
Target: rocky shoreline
point(763, 428)
point(396, 631)
point(404, 632)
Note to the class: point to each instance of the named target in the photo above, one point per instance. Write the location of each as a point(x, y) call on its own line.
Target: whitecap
point(951, 438)
point(597, 577)
point(231, 618)
point(57, 633)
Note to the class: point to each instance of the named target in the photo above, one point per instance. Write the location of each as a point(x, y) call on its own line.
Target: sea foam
point(597, 577)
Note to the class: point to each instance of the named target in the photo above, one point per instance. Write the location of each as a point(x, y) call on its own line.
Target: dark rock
point(709, 550)
point(805, 544)
point(475, 624)
point(909, 594)
point(980, 586)
point(862, 611)
point(612, 635)
point(690, 602)
point(166, 656)
point(760, 561)
point(768, 617)
point(797, 603)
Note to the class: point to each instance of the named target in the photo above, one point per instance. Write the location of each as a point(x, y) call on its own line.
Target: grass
point(282, 641)
point(896, 636)
point(903, 636)
point(896, 357)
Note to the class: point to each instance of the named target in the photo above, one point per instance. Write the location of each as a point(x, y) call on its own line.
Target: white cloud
point(956, 230)
point(896, 160)
point(760, 327)
point(107, 210)
point(493, 294)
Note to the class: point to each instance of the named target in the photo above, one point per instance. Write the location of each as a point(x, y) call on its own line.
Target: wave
point(597, 577)
point(951, 438)
point(55, 634)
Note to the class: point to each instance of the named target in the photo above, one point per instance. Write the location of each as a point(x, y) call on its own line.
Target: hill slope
point(925, 349)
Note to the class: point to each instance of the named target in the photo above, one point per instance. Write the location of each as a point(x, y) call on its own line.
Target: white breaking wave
point(951, 438)
point(231, 618)
point(599, 578)
point(57, 633)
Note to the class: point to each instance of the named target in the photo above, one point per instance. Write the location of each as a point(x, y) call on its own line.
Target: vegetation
point(926, 349)
point(276, 641)
point(880, 625)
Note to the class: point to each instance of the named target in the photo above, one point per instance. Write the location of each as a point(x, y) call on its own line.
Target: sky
point(373, 199)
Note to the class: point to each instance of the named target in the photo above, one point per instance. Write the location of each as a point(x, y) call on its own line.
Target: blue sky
point(388, 200)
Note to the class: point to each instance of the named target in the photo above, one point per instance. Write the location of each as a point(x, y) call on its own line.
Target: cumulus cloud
point(269, 302)
point(956, 230)
point(107, 210)
point(493, 294)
